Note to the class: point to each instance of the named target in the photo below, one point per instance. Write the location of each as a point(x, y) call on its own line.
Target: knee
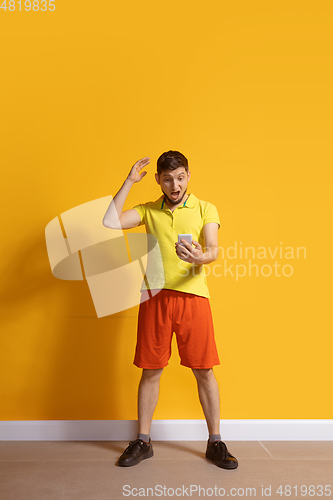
point(203, 374)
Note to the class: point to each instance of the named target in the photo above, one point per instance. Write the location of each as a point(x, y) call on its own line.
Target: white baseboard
point(165, 430)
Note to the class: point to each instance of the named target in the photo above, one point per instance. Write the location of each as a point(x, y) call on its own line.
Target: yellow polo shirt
point(165, 225)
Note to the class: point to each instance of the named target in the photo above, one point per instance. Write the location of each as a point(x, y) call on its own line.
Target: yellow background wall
point(244, 90)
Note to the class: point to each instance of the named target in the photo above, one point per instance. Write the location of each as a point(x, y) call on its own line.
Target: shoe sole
point(229, 465)
point(144, 457)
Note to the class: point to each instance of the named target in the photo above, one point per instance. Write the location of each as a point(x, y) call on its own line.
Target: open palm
point(135, 175)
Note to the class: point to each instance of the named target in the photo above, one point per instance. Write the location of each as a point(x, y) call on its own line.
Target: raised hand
point(135, 175)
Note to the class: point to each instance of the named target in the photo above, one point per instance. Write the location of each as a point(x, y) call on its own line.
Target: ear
point(157, 177)
point(188, 175)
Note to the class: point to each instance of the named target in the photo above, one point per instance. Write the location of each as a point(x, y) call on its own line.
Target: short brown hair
point(171, 160)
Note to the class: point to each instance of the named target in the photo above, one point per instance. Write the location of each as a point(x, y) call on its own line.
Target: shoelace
point(132, 444)
point(221, 448)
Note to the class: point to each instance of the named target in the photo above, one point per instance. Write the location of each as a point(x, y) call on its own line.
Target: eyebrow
point(182, 173)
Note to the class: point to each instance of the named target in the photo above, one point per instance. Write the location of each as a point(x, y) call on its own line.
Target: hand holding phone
point(186, 237)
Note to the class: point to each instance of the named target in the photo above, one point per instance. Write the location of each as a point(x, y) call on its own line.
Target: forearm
point(113, 213)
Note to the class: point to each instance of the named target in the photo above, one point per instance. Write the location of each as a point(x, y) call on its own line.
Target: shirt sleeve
point(141, 209)
point(211, 214)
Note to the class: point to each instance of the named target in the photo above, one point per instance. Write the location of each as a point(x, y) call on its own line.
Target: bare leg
point(147, 398)
point(209, 398)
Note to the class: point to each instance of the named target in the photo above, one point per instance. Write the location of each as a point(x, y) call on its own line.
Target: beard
point(174, 202)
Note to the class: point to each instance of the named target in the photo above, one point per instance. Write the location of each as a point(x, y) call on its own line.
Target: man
point(177, 303)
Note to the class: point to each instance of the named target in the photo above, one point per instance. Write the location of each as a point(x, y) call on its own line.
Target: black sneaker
point(135, 452)
point(218, 453)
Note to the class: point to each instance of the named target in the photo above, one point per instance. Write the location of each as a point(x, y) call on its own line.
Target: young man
point(179, 303)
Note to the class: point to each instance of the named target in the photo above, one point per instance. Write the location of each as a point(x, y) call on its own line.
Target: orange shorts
point(186, 314)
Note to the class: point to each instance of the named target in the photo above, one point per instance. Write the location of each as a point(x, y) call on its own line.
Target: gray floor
point(87, 470)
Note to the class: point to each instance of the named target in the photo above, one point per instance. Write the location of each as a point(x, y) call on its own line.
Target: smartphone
point(186, 237)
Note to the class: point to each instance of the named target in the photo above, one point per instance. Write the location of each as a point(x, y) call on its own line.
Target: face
point(174, 184)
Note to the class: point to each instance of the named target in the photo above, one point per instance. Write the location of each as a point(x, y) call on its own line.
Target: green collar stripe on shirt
point(163, 203)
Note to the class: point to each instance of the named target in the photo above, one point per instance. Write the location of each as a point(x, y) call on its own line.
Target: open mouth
point(175, 194)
